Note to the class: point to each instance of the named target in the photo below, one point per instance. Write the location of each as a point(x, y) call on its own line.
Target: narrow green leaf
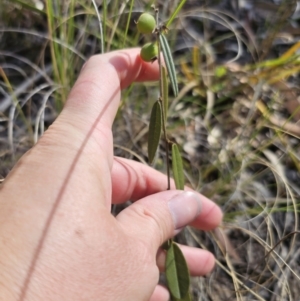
point(175, 13)
point(177, 273)
point(169, 63)
point(177, 167)
point(154, 130)
point(100, 23)
point(128, 23)
point(104, 20)
point(165, 102)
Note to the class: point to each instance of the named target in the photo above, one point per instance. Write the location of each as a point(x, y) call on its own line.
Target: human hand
point(58, 239)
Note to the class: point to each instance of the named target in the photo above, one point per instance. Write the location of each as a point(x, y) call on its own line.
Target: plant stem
point(158, 33)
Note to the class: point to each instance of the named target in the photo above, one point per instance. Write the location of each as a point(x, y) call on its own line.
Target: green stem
point(158, 32)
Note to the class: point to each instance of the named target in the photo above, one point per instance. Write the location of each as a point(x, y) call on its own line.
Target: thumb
point(155, 218)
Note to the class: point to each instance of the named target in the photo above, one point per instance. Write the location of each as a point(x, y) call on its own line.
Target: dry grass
point(236, 118)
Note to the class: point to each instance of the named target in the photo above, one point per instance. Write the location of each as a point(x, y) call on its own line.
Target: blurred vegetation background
point(236, 116)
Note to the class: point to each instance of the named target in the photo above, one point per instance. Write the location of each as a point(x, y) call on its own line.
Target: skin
point(58, 239)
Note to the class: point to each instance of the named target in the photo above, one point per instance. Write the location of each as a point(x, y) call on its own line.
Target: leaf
point(177, 272)
point(154, 130)
point(165, 96)
point(177, 167)
point(101, 29)
point(291, 51)
point(175, 13)
point(169, 63)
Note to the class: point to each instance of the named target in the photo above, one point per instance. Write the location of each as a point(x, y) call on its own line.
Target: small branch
point(158, 32)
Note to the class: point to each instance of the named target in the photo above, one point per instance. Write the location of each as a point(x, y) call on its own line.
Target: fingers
point(155, 218)
point(132, 181)
point(200, 262)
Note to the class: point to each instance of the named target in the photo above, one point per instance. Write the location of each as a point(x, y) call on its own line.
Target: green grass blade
point(155, 127)
point(177, 167)
point(165, 86)
point(175, 13)
point(177, 272)
point(104, 21)
point(128, 23)
point(169, 63)
point(100, 26)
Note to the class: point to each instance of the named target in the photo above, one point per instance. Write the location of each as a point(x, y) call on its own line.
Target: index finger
point(101, 80)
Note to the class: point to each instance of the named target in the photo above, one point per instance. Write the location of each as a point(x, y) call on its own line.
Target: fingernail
point(184, 207)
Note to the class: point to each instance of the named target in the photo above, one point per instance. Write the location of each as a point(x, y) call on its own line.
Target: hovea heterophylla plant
point(177, 272)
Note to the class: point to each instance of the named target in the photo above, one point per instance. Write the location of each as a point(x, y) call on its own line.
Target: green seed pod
point(146, 23)
point(149, 52)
